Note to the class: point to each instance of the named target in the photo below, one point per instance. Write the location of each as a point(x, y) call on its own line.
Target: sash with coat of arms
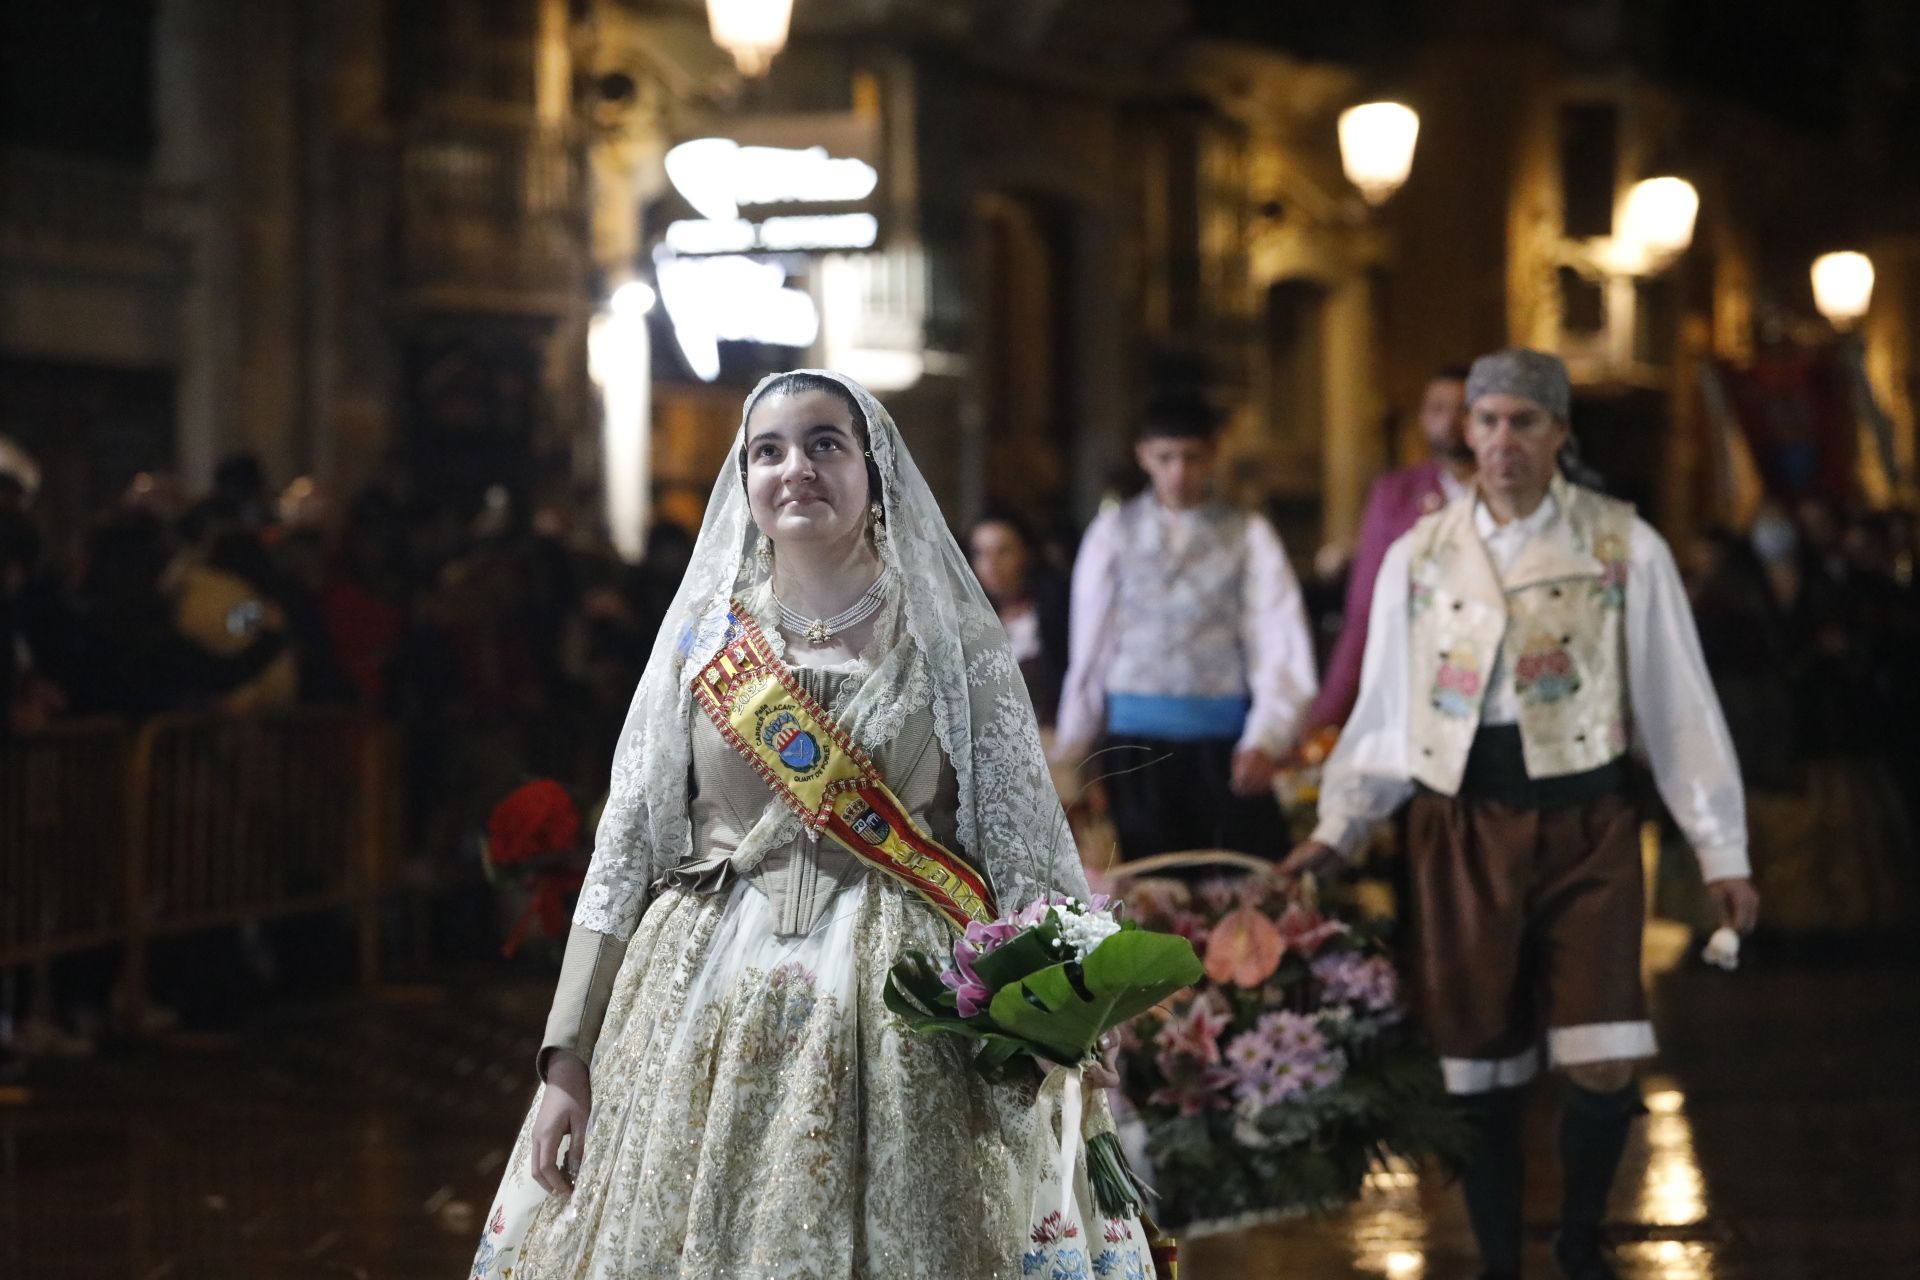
point(760, 708)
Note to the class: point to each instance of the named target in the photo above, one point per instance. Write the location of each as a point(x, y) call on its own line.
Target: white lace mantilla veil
point(939, 639)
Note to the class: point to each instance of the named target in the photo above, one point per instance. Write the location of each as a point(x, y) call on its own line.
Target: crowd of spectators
point(242, 600)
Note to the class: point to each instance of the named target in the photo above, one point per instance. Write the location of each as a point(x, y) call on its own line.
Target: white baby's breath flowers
point(1084, 930)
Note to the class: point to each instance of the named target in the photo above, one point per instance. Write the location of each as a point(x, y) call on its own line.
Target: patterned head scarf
point(1531, 375)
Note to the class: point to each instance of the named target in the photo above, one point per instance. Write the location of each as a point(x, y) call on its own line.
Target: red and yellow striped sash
point(760, 708)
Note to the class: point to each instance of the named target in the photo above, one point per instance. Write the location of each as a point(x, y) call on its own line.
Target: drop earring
point(763, 554)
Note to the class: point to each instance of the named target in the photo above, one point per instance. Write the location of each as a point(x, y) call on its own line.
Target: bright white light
point(777, 175)
point(1376, 147)
point(634, 298)
point(1657, 219)
point(1403, 1264)
point(708, 235)
point(620, 361)
point(789, 233)
point(751, 30)
point(732, 298)
point(820, 231)
point(718, 175)
point(702, 172)
point(1843, 286)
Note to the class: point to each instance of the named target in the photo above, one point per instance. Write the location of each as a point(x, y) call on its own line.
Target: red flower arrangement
point(535, 834)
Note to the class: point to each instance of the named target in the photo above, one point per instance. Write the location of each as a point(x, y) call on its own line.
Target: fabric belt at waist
point(1497, 771)
point(1176, 718)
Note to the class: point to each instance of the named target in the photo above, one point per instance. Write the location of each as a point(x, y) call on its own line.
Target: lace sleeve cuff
point(580, 999)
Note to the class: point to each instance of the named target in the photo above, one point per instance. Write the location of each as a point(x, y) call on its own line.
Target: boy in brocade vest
point(1521, 639)
point(1188, 653)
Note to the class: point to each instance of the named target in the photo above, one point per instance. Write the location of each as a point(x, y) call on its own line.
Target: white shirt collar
point(1452, 487)
point(1523, 528)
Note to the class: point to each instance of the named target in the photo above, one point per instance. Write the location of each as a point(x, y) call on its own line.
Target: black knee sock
point(1593, 1136)
point(1492, 1176)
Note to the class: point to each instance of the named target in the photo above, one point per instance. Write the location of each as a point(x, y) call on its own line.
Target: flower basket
point(1274, 1085)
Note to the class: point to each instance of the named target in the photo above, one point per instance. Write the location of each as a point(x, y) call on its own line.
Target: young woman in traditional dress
point(830, 759)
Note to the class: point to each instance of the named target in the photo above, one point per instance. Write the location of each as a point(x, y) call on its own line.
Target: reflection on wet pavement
point(364, 1138)
point(349, 1140)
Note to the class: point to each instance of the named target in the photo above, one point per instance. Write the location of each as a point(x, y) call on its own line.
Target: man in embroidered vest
point(1519, 639)
point(1396, 501)
point(1188, 653)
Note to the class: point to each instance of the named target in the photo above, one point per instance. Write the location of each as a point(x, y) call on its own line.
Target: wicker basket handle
point(1187, 859)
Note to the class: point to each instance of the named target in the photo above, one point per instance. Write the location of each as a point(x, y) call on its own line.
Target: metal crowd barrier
point(118, 836)
point(63, 842)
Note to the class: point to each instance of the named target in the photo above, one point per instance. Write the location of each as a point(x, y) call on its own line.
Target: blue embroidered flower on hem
point(1069, 1264)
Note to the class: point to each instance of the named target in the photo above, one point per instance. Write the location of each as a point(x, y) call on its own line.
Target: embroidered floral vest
point(1559, 616)
point(1177, 613)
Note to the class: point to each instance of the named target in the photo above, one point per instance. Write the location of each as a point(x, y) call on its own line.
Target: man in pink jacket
point(1398, 499)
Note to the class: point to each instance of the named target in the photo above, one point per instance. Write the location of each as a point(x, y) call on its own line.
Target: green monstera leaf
point(1123, 977)
point(916, 996)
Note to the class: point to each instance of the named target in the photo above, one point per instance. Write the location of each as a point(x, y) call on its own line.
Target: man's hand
point(1309, 856)
point(1252, 772)
point(1737, 902)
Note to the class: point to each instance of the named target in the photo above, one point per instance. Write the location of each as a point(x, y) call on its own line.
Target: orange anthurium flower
point(1245, 948)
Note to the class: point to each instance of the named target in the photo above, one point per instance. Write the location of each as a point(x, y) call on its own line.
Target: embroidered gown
point(757, 1113)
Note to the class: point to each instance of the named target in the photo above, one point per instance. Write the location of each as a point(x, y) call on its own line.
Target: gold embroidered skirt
point(758, 1114)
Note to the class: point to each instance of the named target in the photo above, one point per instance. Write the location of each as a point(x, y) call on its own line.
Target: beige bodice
point(800, 877)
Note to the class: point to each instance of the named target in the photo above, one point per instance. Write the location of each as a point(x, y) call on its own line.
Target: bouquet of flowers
point(1045, 984)
point(1276, 1084)
point(533, 838)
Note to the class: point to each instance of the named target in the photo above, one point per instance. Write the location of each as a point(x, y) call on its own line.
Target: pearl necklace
point(822, 630)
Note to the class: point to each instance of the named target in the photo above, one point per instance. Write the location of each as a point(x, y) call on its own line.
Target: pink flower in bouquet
point(1195, 1033)
point(1218, 894)
point(982, 938)
point(1249, 1053)
point(970, 995)
point(1272, 1085)
point(1252, 891)
point(1294, 1037)
point(1368, 981)
point(1270, 1090)
point(1036, 911)
point(1325, 1073)
point(1192, 926)
point(1304, 930)
point(1288, 1078)
point(1189, 1089)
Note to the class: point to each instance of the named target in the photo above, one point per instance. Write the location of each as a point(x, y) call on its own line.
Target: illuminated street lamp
point(1842, 286)
point(1656, 223)
point(753, 31)
point(1376, 147)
